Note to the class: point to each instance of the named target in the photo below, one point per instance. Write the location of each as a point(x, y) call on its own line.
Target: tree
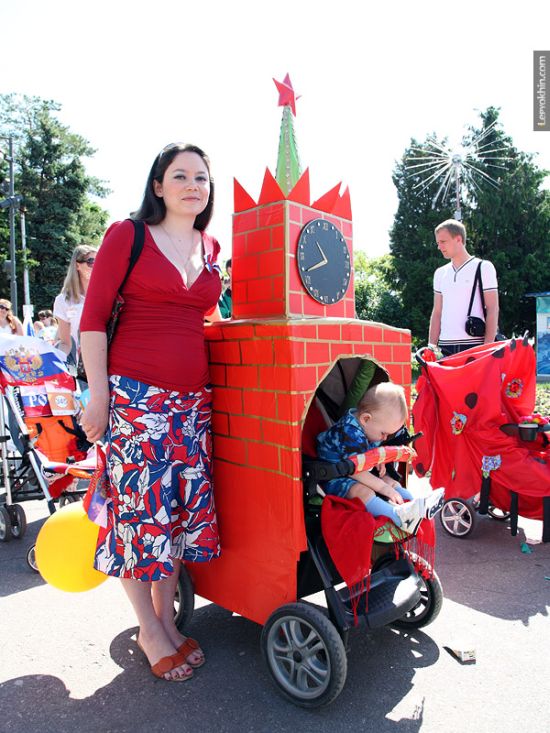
point(4, 227)
point(510, 225)
point(375, 297)
point(504, 208)
point(58, 194)
point(412, 242)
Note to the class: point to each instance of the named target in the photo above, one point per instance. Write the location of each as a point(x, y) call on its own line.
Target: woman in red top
point(150, 391)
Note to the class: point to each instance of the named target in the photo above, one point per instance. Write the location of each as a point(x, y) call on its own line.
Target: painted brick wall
point(266, 282)
point(264, 375)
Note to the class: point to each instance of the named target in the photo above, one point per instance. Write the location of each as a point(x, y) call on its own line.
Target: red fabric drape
point(348, 530)
point(462, 402)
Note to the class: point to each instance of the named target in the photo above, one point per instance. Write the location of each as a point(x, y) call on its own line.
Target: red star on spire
point(286, 94)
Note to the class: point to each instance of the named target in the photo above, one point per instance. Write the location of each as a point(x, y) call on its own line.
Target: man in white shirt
point(453, 284)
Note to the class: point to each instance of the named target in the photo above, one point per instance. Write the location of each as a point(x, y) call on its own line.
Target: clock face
point(323, 261)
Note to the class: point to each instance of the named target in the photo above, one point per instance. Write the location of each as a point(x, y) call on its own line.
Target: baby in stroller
point(381, 412)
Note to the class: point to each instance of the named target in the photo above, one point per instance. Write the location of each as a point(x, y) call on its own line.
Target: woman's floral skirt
point(159, 469)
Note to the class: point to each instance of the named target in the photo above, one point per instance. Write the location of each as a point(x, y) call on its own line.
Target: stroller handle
point(421, 359)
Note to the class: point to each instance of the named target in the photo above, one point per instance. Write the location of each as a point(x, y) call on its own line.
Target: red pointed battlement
point(266, 282)
point(330, 203)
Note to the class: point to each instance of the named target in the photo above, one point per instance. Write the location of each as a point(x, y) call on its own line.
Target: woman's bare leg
point(163, 592)
point(152, 636)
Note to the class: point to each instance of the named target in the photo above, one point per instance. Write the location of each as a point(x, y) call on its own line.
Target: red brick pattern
point(271, 367)
point(266, 282)
point(264, 374)
point(265, 366)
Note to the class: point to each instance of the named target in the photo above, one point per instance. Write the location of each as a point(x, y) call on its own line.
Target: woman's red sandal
point(187, 648)
point(167, 664)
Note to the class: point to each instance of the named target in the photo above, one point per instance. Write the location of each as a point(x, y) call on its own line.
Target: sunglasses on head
point(90, 261)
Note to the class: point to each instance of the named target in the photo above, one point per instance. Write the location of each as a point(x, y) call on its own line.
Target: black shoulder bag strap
point(137, 247)
point(477, 279)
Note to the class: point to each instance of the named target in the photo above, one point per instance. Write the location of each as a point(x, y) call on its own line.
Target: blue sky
point(133, 76)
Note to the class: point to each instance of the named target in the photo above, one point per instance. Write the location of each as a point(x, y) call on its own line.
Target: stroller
point(481, 438)
point(303, 645)
point(43, 450)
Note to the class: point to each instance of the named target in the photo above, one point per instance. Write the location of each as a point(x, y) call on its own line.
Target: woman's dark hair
point(153, 208)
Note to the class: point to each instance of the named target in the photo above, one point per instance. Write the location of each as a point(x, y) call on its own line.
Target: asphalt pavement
point(69, 662)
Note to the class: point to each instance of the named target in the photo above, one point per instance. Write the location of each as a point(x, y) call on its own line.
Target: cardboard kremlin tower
point(293, 318)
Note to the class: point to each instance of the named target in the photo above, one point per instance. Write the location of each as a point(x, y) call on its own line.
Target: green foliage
point(510, 225)
point(4, 191)
point(412, 241)
point(376, 298)
point(507, 223)
point(50, 174)
point(542, 404)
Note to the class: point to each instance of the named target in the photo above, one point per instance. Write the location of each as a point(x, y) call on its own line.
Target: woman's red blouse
point(159, 338)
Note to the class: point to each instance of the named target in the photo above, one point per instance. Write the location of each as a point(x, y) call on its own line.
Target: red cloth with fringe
point(349, 530)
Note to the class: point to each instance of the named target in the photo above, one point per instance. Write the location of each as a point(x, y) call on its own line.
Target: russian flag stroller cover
point(43, 448)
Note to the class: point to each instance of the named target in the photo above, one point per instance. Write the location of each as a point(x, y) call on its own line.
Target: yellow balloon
point(65, 549)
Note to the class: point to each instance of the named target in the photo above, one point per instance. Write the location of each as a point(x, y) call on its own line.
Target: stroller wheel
point(428, 607)
point(31, 559)
point(457, 518)
point(305, 655)
point(499, 514)
point(5, 525)
point(68, 498)
point(18, 521)
point(184, 600)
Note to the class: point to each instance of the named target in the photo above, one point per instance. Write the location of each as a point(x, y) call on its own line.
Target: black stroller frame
point(303, 643)
point(22, 477)
point(22, 472)
point(305, 646)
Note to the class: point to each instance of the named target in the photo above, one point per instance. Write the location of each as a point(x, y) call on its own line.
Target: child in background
point(381, 412)
point(46, 327)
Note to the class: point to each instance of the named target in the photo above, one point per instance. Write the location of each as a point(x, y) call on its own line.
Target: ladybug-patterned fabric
point(463, 402)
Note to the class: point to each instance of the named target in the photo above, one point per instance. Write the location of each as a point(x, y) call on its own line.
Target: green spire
point(289, 169)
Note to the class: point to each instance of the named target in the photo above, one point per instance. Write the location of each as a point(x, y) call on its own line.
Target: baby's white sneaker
point(410, 513)
point(433, 503)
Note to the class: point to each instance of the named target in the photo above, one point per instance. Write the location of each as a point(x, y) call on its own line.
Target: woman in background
point(9, 324)
point(68, 305)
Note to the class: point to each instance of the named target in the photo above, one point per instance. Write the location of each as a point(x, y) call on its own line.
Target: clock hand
point(318, 264)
